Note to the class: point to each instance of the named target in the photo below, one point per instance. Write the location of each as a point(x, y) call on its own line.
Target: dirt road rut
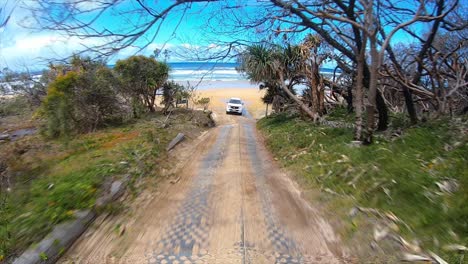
point(232, 205)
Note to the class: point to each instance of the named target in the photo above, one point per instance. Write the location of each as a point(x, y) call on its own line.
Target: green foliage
point(272, 65)
point(400, 120)
point(173, 92)
point(70, 176)
point(399, 175)
point(43, 256)
point(17, 105)
point(273, 91)
point(57, 107)
point(204, 101)
point(259, 63)
point(142, 77)
point(96, 101)
point(82, 99)
point(340, 114)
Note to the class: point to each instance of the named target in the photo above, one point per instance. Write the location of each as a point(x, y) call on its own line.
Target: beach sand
point(250, 96)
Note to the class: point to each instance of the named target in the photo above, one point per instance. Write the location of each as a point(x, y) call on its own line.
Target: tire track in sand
point(186, 238)
point(284, 243)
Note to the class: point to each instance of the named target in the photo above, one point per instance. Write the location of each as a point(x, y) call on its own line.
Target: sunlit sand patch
point(251, 97)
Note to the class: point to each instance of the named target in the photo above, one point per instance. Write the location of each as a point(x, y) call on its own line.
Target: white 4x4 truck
point(234, 105)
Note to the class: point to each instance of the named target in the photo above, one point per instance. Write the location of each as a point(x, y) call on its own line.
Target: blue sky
point(21, 47)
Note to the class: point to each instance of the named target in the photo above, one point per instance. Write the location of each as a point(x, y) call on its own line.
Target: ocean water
point(205, 71)
point(208, 75)
point(211, 71)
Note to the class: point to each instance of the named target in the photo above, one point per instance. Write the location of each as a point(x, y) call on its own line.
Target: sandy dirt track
point(232, 205)
point(251, 97)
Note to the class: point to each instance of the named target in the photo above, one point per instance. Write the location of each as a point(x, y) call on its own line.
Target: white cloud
point(21, 47)
point(190, 46)
point(87, 5)
point(35, 49)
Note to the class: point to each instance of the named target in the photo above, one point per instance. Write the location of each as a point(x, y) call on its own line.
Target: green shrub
point(400, 120)
point(141, 77)
point(172, 93)
point(204, 101)
point(82, 100)
point(399, 175)
point(57, 107)
point(17, 105)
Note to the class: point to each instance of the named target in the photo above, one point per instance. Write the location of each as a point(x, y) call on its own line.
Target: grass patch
point(52, 179)
point(15, 105)
point(394, 174)
point(340, 114)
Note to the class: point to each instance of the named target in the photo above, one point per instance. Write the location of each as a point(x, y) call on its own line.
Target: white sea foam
point(204, 72)
point(207, 72)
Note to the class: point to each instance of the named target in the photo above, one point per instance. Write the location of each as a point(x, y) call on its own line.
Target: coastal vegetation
point(81, 99)
point(386, 132)
point(414, 168)
point(415, 174)
point(96, 125)
point(388, 55)
point(141, 77)
point(46, 181)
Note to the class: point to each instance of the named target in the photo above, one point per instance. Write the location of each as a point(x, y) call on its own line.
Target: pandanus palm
point(273, 65)
point(259, 64)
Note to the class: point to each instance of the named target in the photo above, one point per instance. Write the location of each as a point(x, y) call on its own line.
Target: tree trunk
point(313, 90)
point(359, 91)
point(322, 109)
point(275, 104)
point(359, 96)
point(383, 112)
point(349, 99)
point(152, 101)
point(150, 106)
point(372, 94)
point(306, 109)
point(410, 105)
